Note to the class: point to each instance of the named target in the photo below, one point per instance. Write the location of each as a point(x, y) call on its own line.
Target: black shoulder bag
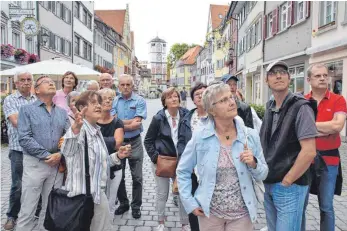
point(70, 213)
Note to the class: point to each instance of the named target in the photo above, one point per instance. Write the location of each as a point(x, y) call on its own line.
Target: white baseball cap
point(277, 63)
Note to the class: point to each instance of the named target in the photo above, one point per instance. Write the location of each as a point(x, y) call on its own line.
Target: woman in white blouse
point(86, 117)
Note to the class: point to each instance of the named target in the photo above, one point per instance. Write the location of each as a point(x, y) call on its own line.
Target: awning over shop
point(327, 46)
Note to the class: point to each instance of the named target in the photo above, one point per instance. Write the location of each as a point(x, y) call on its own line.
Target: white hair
point(70, 95)
point(92, 82)
point(21, 72)
point(210, 94)
point(107, 90)
point(127, 76)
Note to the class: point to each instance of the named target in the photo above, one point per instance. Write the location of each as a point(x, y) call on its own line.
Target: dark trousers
point(135, 163)
point(16, 158)
point(193, 220)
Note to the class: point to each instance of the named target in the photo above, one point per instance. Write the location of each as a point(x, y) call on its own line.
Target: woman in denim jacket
point(228, 157)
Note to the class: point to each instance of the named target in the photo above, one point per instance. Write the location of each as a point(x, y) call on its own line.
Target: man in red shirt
point(330, 121)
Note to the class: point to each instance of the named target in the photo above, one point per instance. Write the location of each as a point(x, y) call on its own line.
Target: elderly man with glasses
point(12, 105)
point(40, 126)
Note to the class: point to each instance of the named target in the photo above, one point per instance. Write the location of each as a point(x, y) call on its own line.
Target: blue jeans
point(284, 206)
point(16, 158)
point(326, 198)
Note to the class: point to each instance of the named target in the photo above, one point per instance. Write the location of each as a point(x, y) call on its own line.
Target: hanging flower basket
point(21, 55)
point(33, 58)
point(7, 50)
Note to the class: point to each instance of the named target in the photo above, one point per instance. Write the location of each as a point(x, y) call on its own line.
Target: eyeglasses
point(275, 73)
point(225, 100)
point(105, 80)
point(26, 80)
point(45, 82)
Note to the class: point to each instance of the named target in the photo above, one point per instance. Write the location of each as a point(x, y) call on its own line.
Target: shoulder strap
point(86, 164)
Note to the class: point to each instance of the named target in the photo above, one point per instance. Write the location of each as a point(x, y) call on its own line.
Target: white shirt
point(174, 130)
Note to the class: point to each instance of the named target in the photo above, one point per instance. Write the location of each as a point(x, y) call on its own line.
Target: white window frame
point(258, 31)
point(332, 12)
point(57, 43)
point(29, 45)
point(269, 25)
point(294, 75)
point(284, 14)
point(298, 12)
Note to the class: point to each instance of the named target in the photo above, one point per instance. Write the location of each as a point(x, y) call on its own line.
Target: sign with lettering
point(19, 12)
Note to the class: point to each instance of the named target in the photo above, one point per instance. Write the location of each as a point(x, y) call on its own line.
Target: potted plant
point(33, 58)
point(7, 50)
point(21, 55)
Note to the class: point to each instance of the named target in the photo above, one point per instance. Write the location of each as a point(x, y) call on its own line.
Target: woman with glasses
point(87, 113)
point(228, 157)
point(186, 127)
point(161, 140)
point(69, 83)
point(112, 130)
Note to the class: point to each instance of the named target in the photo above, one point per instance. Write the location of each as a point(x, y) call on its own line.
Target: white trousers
point(114, 185)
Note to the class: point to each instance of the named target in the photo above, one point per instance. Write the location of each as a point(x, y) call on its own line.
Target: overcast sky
point(175, 21)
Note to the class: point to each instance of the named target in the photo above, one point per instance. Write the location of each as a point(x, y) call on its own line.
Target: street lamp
point(44, 37)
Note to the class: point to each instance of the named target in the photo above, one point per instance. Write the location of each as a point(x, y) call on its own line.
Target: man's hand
point(198, 212)
point(124, 151)
point(286, 181)
point(135, 124)
point(53, 159)
point(79, 115)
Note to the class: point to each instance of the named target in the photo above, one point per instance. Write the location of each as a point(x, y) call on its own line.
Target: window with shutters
point(84, 16)
point(284, 19)
point(327, 12)
point(16, 39)
point(77, 9)
point(29, 44)
point(58, 10)
point(3, 33)
point(299, 9)
point(89, 52)
point(269, 25)
point(62, 45)
point(57, 43)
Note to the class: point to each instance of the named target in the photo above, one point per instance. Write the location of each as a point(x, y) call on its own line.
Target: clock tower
point(157, 60)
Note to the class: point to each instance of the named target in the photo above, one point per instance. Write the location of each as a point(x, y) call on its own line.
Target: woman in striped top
point(86, 117)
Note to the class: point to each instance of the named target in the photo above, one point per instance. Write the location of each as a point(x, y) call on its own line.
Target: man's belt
point(127, 140)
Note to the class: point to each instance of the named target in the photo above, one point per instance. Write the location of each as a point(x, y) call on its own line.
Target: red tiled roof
point(189, 57)
point(217, 10)
point(113, 18)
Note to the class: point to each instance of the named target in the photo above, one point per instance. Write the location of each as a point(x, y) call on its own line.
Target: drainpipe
point(72, 31)
point(39, 34)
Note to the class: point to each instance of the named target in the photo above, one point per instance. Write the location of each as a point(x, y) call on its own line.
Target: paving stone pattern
point(149, 218)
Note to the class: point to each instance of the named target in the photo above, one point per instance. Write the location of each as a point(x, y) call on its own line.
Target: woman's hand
point(79, 115)
point(248, 158)
point(124, 151)
point(198, 212)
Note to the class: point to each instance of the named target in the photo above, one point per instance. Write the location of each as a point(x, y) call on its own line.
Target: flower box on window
point(21, 55)
point(7, 50)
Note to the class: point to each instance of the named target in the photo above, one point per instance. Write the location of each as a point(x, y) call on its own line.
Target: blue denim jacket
point(203, 151)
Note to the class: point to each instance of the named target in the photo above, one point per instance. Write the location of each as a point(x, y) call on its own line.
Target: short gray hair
point(107, 90)
point(92, 82)
point(21, 72)
point(309, 69)
point(70, 95)
point(209, 95)
point(127, 76)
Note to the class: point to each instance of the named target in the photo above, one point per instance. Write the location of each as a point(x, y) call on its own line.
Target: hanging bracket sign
point(18, 12)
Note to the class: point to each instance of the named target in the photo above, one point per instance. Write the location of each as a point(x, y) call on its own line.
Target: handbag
point(70, 213)
point(166, 166)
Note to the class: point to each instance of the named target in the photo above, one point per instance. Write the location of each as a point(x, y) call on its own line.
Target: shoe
point(186, 228)
point(121, 209)
point(160, 227)
point(136, 213)
point(10, 224)
point(175, 200)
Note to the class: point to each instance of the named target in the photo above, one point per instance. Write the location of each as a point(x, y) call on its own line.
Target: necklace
point(227, 137)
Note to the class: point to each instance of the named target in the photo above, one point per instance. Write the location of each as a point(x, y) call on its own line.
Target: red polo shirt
point(327, 108)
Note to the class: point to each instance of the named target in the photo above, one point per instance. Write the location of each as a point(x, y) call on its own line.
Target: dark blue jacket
point(184, 132)
point(158, 138)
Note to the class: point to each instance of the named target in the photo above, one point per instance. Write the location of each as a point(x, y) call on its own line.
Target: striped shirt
point(99, 161)
point(12, 104)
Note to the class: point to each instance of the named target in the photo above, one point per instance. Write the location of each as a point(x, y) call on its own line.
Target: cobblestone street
point(149, 217)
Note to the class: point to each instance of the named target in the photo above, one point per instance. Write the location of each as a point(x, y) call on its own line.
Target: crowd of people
point(220, 158)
